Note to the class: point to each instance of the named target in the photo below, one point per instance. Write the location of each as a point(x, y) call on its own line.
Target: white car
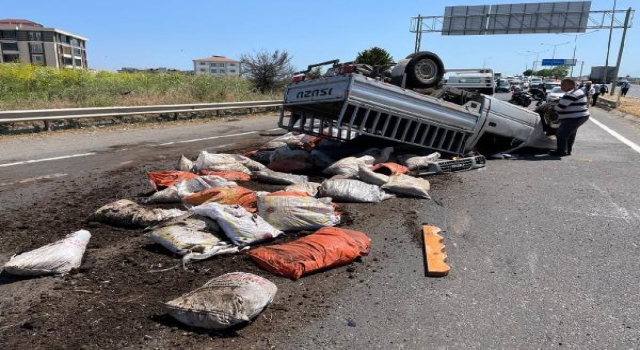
point(555, 94)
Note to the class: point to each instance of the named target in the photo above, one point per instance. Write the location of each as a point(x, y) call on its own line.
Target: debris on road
point(325, 248)
point(224, 301)
point(55, 258)
point(127, 213)
point(434, 254)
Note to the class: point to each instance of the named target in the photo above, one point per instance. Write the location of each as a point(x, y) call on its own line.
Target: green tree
point(374, 56)
point(557, 72)
point(267, 70)
point(528, 73)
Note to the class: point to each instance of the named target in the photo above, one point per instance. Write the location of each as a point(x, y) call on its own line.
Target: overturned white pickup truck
point(400, 104)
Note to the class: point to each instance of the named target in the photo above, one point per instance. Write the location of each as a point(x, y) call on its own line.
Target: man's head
point(588, 83)
point(567, 84)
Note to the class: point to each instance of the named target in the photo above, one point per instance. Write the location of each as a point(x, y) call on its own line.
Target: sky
point(151, 34)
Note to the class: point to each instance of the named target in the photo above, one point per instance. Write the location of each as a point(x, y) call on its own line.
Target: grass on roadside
point(25, 86)
point(629, 105)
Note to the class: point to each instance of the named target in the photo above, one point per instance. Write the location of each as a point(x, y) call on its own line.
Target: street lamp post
point(537, 53)
point(575, 47)
point(554, 47)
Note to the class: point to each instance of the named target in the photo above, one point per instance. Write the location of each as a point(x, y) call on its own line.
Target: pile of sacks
point(221, 216)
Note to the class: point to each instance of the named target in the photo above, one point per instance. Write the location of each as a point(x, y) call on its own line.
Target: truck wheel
point(425, 70)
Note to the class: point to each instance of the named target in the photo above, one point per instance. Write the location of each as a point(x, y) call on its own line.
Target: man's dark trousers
point(566, 134)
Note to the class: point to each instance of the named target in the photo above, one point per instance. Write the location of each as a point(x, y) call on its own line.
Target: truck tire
point(424, 70)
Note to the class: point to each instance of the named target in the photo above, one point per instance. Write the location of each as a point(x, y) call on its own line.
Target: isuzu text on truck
point(403, 103)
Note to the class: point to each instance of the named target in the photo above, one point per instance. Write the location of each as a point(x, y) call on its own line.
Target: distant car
point(555, 94)
point(621, 82)
point(550, 85)
point(535, 81)
point(503, 86)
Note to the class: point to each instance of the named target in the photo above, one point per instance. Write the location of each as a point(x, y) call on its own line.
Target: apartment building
point(30, 42)
point(217, 65)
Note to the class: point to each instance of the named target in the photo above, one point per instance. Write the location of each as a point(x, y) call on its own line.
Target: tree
point(374, 56)
point(528, 73)
point(267, 70)
point(557, 72)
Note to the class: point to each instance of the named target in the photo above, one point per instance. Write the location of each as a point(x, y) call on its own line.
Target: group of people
point(593, 91)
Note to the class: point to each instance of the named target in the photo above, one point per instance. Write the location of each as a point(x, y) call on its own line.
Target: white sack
point(406, 185)
point(349, 190)
point(348, 166)
point(278, 178)
point(220, 162)
point(242, 227)
point(369, 176)
point(59, 257)
point(192, 237)
point(291, 213)
point(309, 187)
point(174, 193)
point(414, 162)
point(288, 139)
point(128, 213)
point(184, 164)
point(223, 301)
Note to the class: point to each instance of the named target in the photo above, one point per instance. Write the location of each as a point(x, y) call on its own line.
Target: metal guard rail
point(97, 112)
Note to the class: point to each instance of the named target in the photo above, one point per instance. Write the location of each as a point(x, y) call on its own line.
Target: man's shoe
point(557, 154)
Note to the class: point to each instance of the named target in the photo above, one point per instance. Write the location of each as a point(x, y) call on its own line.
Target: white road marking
point(623, 212)
point(47, 159)
point(32, 179)
point(621, 138)
point(207, 138)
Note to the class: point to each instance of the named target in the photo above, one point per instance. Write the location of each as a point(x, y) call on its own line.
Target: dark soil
point(115, 300)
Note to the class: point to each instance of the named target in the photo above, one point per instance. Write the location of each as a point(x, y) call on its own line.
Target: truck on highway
point(479, 80)
point(407, 103)
point(597, 75)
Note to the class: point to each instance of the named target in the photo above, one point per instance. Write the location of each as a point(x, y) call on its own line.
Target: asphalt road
point(544, 252)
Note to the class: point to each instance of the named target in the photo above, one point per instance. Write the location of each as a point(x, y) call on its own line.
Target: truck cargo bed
point(343, 107)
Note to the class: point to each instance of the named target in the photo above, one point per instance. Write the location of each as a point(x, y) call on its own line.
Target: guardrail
point(97, 112)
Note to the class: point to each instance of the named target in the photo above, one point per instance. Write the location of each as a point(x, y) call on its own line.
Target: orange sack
point(164, 179)
point(227, 174)
point(225, 195)
point(325, 248)
point(390, 168)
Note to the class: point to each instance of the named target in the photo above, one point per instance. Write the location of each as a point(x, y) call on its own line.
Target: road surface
point(544, 252)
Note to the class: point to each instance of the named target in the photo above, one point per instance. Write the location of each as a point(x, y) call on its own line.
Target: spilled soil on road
point(115, 300)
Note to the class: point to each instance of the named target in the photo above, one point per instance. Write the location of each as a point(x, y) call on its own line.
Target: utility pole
point(606, 64)
point(624, 34)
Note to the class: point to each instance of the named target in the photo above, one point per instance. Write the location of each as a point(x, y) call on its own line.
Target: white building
point(217, 65)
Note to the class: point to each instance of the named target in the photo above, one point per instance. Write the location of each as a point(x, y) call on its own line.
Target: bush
point(25, 86)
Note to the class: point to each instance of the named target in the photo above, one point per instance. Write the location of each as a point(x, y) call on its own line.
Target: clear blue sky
point(151, 34)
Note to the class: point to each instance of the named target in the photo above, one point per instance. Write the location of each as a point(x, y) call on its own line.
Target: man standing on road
point(589, 91)
point(596, 89)
point(573, 111)
point(625, 87)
